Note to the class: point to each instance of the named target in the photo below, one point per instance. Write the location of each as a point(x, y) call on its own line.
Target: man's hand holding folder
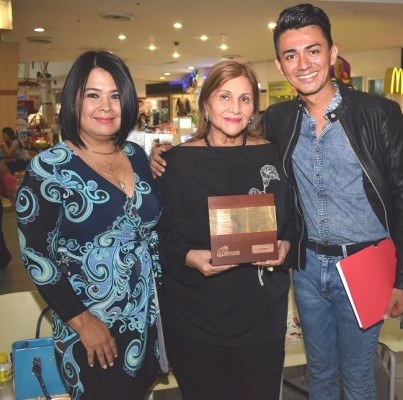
point(368, 277)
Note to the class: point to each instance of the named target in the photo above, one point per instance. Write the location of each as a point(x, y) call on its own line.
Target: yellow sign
point(393, 81)
point(281, 88)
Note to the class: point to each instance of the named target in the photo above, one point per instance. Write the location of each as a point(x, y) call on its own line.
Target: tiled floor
point(14, 279)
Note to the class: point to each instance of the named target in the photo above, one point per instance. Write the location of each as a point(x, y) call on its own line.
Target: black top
point(231, 308)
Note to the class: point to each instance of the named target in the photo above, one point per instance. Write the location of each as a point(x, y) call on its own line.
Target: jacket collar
point(335, 114)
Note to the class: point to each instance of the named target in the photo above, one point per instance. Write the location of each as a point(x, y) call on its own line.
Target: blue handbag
point(36, 373)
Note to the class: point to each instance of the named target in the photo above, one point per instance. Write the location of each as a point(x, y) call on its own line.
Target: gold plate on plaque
point(243, 228)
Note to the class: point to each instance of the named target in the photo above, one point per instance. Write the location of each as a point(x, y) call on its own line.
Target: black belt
point(334, 250)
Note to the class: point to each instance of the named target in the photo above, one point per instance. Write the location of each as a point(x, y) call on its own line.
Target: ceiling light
point(122, 37)
point(191, 67)
point(162, 78)
point(203, 37)
point(167, 73)
point(177, 25)
point(271, 25)
point(39, 29)
point(176, 54)
point(152, 47)
point(223, 45)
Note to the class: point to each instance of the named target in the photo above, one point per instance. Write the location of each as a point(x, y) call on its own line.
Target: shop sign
point(281, 88)
point(393, 81)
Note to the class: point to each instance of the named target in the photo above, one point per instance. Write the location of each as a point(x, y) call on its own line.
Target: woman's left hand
point(96, 338)
point(283, 249)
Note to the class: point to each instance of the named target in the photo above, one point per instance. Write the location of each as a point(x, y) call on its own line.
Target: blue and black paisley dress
point(88, 246)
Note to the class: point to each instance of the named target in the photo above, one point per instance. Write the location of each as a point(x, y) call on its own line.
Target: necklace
point(107, 170)
point(208, 144)
point(122, 182)
point(99, 152)
point(105, 165)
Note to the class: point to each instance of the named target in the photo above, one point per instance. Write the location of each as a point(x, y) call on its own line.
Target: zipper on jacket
point(294, 190)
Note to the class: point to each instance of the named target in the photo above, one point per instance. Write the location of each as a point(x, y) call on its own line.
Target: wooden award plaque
point(243, 228)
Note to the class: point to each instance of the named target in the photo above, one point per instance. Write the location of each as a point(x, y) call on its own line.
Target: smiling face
point(305, 60)
point(229, 109)
point(101, 110)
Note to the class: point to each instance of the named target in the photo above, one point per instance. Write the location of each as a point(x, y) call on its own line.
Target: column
point(9, 55)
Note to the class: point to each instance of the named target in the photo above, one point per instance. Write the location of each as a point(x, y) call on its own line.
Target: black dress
point(231, 308)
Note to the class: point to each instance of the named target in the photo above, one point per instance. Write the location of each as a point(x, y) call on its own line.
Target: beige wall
point(8, 84)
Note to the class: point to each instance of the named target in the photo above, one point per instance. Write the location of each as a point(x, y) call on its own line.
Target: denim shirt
point(329, 178)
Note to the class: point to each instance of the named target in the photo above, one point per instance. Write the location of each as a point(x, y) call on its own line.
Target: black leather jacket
point(374, 128)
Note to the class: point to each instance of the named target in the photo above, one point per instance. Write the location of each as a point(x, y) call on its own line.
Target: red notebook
point(368, 277)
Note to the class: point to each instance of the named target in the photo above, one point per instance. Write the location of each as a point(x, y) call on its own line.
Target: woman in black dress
point(224, 325)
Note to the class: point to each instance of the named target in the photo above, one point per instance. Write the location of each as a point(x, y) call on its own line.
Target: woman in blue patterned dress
point(86, 212)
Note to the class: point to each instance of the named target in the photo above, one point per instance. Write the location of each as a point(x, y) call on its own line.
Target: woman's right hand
point(157, 163)
point(201, 260)
point(96, 338)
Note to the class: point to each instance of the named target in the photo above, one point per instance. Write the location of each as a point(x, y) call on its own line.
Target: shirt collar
point(334, 103)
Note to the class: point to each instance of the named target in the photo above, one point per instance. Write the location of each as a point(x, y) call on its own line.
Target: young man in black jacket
point(342, 151)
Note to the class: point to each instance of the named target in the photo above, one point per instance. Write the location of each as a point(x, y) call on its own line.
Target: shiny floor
point(15, 279)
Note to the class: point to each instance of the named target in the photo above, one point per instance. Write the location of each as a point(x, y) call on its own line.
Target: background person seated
point(11, 146)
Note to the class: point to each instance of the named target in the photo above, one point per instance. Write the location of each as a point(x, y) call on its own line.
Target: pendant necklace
point(106, 168)
point(208, 144)
point(122, 182)
point(104, 164)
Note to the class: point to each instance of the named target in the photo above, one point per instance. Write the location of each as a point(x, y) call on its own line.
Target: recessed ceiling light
point(271, 25)
point(152, 47)
point(162, 78)
point(167, 73)
point(39, 29)
point(223, 45)
point(122, 37)
point(203, 37)
point(191, 67)
point(176, 51)
point(177, 25)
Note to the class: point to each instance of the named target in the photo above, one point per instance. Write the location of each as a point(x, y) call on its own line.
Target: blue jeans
point(337, 349)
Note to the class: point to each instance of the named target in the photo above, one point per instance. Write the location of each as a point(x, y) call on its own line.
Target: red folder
point(368, 277)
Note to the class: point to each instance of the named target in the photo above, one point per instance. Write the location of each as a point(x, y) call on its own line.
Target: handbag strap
point(36, 362)
point(37, 370)
point(38, 324)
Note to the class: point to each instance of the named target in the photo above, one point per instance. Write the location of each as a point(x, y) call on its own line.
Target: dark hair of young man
point(301, 16)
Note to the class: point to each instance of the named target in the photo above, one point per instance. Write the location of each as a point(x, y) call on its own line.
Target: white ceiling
point(76, 25)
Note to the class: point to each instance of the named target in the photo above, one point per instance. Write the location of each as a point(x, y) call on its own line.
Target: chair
point(19, 314)
point(295, 355)
point(163, 383)
point(391, 342)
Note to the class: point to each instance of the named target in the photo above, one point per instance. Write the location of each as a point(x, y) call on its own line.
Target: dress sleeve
point(39, 209)
point(172, 247)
